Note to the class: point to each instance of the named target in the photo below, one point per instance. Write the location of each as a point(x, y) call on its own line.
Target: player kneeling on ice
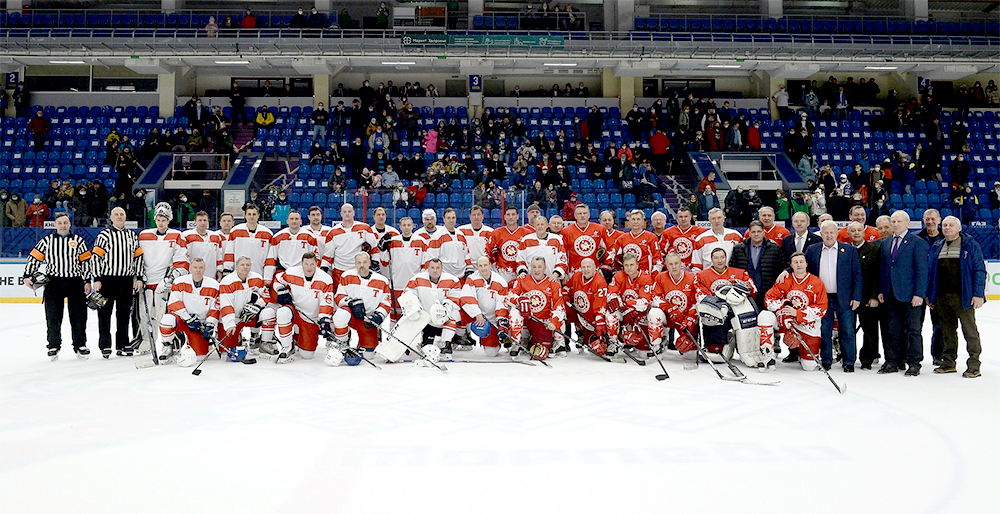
point(729, 324)
point(586, 297)
point(630, 295)
point(484, 310)
point(673, 306)
point(538, 305)
point(192, 310)
point(305, 294)
point(243, 299)
point(363, 298)
point(796, 306)
point(439, 294)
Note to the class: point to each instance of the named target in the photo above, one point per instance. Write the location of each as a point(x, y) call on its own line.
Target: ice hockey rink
point(583, 436)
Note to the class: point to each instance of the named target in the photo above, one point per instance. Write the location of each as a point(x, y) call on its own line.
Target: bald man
point(902, 289)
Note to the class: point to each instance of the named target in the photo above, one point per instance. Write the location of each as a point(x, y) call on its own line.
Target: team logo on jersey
point(509, 250)
point(537, 301)
point(584, 246)
point(581, 301)
point(798, 299)
point(676, 298)
point(630, 294)
point(683, 247)
point(717, 284)
point(632, 249)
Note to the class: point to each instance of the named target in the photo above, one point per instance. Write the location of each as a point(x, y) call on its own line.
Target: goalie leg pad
point(407, 329)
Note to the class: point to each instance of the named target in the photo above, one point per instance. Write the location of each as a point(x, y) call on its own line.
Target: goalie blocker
point(732, 309)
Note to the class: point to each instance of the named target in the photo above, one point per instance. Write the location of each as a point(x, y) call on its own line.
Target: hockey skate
point(54, 354)
point(82, 353)
point(463, 343)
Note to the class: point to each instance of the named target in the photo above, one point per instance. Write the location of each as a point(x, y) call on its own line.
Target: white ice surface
point(584, 436)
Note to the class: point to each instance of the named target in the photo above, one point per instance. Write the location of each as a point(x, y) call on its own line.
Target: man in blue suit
point(838, 266)
point(902, 291)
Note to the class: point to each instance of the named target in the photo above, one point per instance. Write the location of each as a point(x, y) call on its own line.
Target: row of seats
point(755, 24)
point(135, 19)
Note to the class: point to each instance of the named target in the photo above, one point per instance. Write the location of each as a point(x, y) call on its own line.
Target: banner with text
point(482, 40)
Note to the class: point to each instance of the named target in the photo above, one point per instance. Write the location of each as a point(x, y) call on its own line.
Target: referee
point(67, 268)
point(117, 271)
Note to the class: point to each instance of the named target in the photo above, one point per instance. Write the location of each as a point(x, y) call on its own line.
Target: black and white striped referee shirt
point(117, 254)
point(64, 256)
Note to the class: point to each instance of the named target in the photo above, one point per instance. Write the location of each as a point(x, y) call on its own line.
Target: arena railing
point(960, 23)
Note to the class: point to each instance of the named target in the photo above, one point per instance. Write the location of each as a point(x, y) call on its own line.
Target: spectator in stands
point(299, 20)
point(595, 122)
point(196, 141)
point(958, 133)
point(968, 205)
point(320, 117)
point(82, 208)
point(22, 100)
point(316, 154)
point(136, 207)
point(959, 170)
point(39, 128)
point(263, 120)
point(15, 211)
point(995, 195)
point(417, 193)
point(344, 22)
point(64, 196)
point(228, 28)
point(992, 94)
point(4, 101)
point(211, 28)
point(238, 103)
point(125, 166)
point(249, 21)
point(780, 100)
point(37, 213)
point(817, 203)
point(382, 16)
point(4, 198)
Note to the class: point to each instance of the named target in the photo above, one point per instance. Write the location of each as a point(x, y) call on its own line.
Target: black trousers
point(118, 291)
point(58, 291)
point(937, 346)
point(869, 317)
point(905, 344)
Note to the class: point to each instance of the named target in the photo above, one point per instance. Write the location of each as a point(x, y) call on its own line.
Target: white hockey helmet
point(163, 209)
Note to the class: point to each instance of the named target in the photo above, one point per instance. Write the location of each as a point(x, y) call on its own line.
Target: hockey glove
point(326, 329)
point(503, 325)
point(193, 324)
point(375, 266)
point(524, 306)
point(366, 247)
point(357, 307)
point(540, 350)
point(469, 270)
point(374, 320)
point(284, 295)
point(208, 331)
point(250, 312)
point(597, 344)
point(383, 242)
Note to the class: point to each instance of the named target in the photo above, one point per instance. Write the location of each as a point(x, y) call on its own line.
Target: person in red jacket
point(39, 128)
point(659, 146)
point(38, 212)
point(753, 137)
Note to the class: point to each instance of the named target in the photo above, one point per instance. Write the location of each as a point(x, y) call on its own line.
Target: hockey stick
point(656, 354)
point(408, 347)
point(362, 357)
point(215, 348)
point(152, 343)
point(820, 364)
point(531, 356)
point(743, 378)
point(701, 351)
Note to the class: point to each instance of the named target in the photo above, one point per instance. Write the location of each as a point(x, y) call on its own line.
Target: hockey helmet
point(352, 357)
point(481, 331)
point(163, 209)
point(96, 300)
point(39, 280)
point(237, 354)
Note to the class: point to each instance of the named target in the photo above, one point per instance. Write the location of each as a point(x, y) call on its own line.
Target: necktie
point(799, 240)
point(895, 246)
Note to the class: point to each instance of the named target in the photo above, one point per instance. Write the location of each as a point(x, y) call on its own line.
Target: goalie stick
point(441, 367)
point(152, 343)
point(740, 377)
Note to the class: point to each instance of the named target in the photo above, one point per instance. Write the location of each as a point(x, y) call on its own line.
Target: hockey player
point(630, 295)
point(448, 245)
point(305, 294)
point(858, 215)
point(477, 235)
point(164, 258)
point(319, 230)
point(776, 233)
point(226, 223)
point(795, 307)
point(194, 312)
point(583, 239)
point(363, 298)
point(585, 294)
point(439, 294)
point(344, 241)
point(708, 281)
point(252, 240)
point(404, 258)
point(243, 300)
point(505, 243)
point(611, 235)
point(382, 231)
point(289, 245)
point(484, 300)
point(717, 237)
point(679, 239)
point(640, 243)
point(536, 302)
point(533, 212)
point(541, 243)
point(674, 306)
point(711, 290)
point(206, 245)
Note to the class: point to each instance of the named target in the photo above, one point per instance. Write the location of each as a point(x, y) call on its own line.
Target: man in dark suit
point(761, 258)
point(902, 288)
point(870, 312)
point(801, 237)
point(837, 265)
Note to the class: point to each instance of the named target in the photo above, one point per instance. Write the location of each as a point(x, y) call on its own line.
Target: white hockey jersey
point(447, 290)
point(320, 234)
point(486, 297)
point(476, 240)
point(287, 250)
point(311, 297)
point(551, 248)
point(374, 291)
point(160, 253)
point(404, 259)
point(255, 244)
point(210, 247)
point(707, 241)
point(188, 299)
point(235, 293)
point(451, 248)
point(343, 244)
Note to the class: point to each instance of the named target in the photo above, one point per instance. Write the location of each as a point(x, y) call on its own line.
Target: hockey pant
point(343, 322)
point(538, 332)
point(171, 326)
point(659, 320)
point(156, 303)
point(768, 323)
point(585, 328)
point(266, 320)
point(633, 328)
point(289, 323)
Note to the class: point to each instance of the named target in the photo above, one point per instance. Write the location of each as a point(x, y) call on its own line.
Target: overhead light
point(67, 62)
point(398, 63)
point(567, 64)
point(232, 62)
point(881, 67)
point(726, 66)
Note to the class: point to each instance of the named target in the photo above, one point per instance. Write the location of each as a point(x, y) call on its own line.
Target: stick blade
point(144, 364)
point(196, 372)
point(662, 377)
